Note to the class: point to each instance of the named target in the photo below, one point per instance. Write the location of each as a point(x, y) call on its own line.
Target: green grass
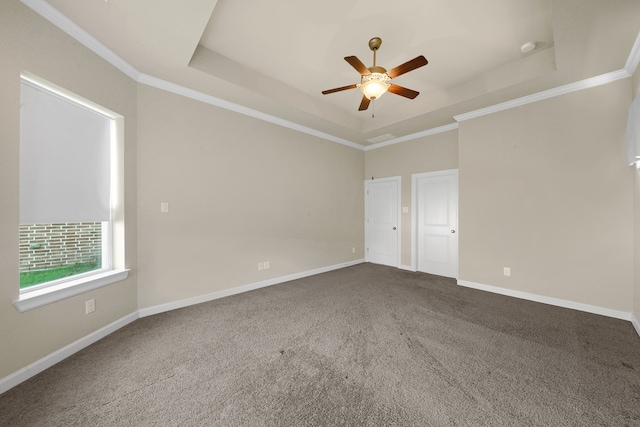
point(30, 278)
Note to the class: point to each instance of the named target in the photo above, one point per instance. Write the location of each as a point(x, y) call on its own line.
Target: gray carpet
point(364, 346)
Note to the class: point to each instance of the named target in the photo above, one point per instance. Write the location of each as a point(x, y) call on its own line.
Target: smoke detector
point(527, 47)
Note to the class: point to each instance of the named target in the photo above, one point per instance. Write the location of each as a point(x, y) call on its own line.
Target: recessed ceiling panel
point(275, 57)
point(302, 44)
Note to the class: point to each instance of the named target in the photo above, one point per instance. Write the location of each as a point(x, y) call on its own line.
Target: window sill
point(30, 300)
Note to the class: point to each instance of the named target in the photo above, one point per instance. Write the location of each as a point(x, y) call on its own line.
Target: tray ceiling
point(277, 56)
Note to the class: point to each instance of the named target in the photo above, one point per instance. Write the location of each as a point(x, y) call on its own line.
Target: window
point(54, 251)
point(68, 178)
point(633, 133)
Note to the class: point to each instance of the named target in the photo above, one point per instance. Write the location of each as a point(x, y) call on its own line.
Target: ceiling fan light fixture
point(374, 85)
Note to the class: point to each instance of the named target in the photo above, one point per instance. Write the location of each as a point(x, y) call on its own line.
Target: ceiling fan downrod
point(374, 45)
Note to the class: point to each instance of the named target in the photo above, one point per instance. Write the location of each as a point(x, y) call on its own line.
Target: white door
point(436, 212)
point(381, 221)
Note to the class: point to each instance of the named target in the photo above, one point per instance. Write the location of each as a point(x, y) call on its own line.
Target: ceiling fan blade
point(364, 104)
point(338, 89)
point(416, 62)
point(403, 91)
point(358, 65)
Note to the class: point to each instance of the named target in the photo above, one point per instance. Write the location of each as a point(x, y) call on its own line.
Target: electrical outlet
point(90, 306)
point(261, 266)
point(267, 264)
point(353, 250)
point(507, 271)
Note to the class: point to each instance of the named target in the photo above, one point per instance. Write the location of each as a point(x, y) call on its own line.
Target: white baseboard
point(623, 315)
point(635, 323)
point(38, 366)
point(149, 311)
point(407, 267)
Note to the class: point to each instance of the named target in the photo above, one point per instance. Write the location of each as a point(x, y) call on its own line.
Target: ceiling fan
point(374, 81)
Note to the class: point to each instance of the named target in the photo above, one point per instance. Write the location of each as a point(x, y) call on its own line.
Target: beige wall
point(544, 190)
point(427, 154)
point(29, 43)
point(240, 191)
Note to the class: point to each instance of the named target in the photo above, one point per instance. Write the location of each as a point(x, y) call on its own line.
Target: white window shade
point(64, 159)
point(633, 132)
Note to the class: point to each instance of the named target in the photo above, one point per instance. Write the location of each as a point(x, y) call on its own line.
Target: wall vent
point(381, 138)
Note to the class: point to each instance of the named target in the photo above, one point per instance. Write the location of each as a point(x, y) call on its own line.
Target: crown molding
point(72, 29)
point(432, 131)
point(630, 66)
point(634, 57)
point(227, 105)
point(54, 16)
point(551, 93)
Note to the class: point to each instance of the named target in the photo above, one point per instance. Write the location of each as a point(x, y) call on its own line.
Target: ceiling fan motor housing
point(379, 70)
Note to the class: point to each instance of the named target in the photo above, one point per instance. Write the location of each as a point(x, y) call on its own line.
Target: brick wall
point(45, 246)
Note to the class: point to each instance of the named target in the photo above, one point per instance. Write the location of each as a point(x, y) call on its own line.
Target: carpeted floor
point(363, 346)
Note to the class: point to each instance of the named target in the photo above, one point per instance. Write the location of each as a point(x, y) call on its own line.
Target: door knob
point(394, 228)
point(453, 231)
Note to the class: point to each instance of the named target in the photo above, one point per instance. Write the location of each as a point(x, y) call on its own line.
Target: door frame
point(368, 182)
point(414, 212)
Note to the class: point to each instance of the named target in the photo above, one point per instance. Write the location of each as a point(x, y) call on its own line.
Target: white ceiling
point(277, 56)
